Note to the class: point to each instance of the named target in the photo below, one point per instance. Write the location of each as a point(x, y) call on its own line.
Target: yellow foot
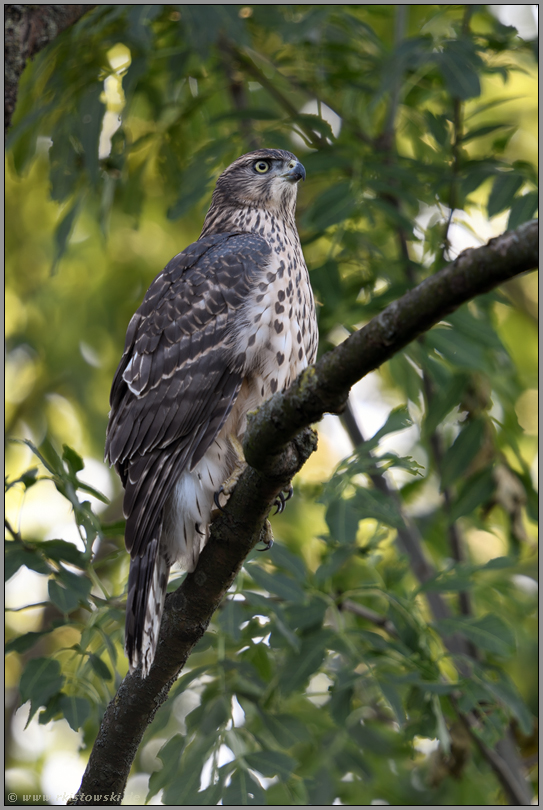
point(266, 536)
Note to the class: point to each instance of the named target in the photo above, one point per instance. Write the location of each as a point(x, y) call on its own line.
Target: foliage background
point(292, 697)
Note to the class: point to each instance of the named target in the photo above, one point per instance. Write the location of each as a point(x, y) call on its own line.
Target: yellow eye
point(262, 166)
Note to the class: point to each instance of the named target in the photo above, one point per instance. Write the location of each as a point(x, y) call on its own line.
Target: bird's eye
point(262, 166)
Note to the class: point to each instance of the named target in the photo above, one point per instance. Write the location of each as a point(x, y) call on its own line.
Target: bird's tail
point(147, 585)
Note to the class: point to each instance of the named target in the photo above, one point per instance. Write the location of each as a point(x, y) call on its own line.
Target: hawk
point(227, 323)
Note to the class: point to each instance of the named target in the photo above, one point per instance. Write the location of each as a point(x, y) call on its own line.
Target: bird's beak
point(295, 171)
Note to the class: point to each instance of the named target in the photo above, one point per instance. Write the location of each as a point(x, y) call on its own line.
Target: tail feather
point(147, 586)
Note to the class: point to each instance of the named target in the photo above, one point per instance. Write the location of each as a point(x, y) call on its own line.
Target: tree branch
point(276, 449)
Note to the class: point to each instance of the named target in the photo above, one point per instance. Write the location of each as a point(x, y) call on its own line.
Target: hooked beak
point(295, 171)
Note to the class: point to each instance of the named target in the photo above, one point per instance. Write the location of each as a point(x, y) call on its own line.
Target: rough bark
point(28, 29)
point(277, 444)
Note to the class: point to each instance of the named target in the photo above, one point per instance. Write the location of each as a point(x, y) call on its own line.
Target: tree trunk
point(28, 29)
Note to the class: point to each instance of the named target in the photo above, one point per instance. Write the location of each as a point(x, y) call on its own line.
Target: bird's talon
point(284, 496)
point(216, 499)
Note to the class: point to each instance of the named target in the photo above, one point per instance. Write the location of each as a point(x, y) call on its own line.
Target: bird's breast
point(279, 330)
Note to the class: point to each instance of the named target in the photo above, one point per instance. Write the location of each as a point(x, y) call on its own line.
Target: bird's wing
point(179, 375)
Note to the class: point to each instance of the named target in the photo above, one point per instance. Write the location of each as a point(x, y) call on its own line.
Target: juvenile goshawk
point(226, 324)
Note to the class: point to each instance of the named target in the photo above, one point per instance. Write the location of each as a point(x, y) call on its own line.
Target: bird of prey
point(227, 323)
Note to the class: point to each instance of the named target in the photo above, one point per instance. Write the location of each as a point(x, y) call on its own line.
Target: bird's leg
point(284, 496)
point(266, 536)
point(229, 485)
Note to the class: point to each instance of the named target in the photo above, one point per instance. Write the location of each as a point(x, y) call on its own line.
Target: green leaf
point(17, 554)
point(369, 739)
point(523, 209)
point(63, 231)
point(269, 608)
point(72, 459)
point(447, 582)
point(79, 584)
point(498, 563)
point(458, 349)
point(335, 561)
point(306, 617)
point(66, 600)
point(271, 763)
point(457, 63)
point(438, 126)
point(230, 618)
point(52, 710)
point(62, 550)
point(393, 698)
point(48, 456)
point(321, 789)
point(41, 679)
point(276, 583)
point(75, 710)
point(340, 703)
point(243, 790)
point(488, 633)
point(461, 453)
point(170, 755)
point(209, 716)
point(343, 518)
point(477, 490)
point(100, 668)
point(480, 132)
point(283, 558)
point(298, 668)
point(28, 479)
point(334, 205)
point(311, 124)
point(398, 419)
point(183, 786)
point(504, 188)
point(500, 686)
point(21, 644)
point(65, 162)
point(248, 114)
point(287, 729)
point(371, 503)
point(445, 399)
point(442, 732)
point(91, 114)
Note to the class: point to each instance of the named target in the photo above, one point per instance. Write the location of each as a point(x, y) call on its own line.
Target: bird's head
point(266, 178)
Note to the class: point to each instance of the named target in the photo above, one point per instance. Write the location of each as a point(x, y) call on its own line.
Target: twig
point(370, 616)
point(237, 91)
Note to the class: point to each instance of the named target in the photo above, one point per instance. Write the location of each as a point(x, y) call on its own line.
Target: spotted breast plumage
point(226, 324)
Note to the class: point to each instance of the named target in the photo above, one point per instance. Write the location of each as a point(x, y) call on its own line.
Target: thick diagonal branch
point(276, 449)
